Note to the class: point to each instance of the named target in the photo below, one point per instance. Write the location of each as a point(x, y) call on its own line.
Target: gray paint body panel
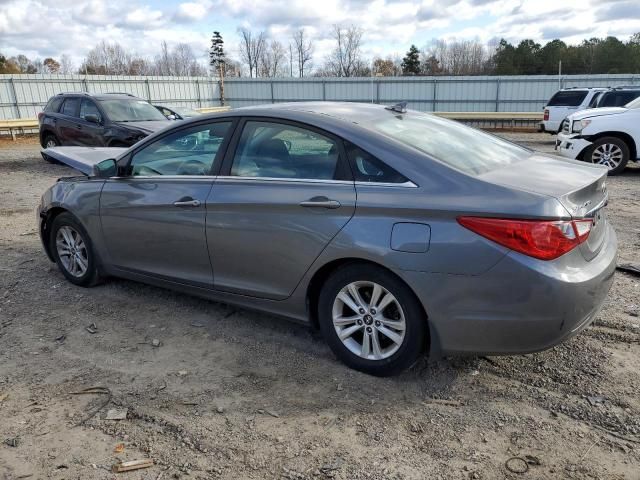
point(251, 244)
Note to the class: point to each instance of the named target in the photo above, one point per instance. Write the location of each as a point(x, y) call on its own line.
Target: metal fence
point(22, 96)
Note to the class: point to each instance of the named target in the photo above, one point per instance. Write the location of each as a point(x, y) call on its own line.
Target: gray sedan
point(394, 232)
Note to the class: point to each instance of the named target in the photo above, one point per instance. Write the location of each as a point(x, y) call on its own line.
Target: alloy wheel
point(368, 320)
point(607, 154)
point(51, 143)
point(72, 251)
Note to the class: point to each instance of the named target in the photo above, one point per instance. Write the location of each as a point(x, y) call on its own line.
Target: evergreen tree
point(216, 54)
point(411, 62)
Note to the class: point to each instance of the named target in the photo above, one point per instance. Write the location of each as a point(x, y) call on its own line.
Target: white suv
point(608, 136)
point(565, 102)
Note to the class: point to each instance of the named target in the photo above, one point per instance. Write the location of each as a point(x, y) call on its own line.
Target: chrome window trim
point(168, 177)
point(236, 178)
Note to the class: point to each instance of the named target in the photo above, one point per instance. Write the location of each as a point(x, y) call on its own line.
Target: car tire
point(395, 337)
point(73, 251)
point(612, 152)
point(49, 141)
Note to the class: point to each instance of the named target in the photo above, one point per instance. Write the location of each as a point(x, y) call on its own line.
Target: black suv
point(98, 120)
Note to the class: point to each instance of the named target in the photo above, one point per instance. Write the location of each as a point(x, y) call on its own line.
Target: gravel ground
point(233, 394)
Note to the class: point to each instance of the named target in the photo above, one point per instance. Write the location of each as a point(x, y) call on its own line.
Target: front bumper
point(521, 305)
point(571, 145)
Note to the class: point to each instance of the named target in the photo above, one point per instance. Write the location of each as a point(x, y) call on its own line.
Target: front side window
point(130, 110)
point(618, 99)
point(70, 107)
point(191, 151)
point(367, 168)
point(275, 150)
point(87, 107)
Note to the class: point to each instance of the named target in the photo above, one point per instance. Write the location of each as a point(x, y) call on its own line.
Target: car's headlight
point(578, 125)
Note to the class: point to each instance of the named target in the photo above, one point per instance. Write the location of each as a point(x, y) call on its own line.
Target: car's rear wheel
point(371, 320)
point(73, 251)
point(50, 141)
point(611, 152)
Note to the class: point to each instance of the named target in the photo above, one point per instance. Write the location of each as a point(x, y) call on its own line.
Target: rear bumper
point(571, 146)
point(521, 305)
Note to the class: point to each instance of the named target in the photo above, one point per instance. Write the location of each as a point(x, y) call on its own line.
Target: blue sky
point(72, 27)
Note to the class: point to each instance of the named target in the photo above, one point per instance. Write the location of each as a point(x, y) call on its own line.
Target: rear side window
point(567, 99)
point(70, 107)
point(275, 150)
point(54, 104)
point(367, 168)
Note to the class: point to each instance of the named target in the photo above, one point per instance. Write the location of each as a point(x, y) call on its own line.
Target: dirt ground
point(233, 394)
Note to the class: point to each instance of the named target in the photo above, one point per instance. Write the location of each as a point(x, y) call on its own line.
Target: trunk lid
point(579, 187)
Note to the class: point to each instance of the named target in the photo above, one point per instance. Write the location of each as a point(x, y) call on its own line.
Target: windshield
point(134, 110)
point(461, 147)
point(569, 98)
point(634, 104)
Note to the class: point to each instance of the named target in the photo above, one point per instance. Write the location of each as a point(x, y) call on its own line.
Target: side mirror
point(92, 118)
point(105, 169)
point(171, 117)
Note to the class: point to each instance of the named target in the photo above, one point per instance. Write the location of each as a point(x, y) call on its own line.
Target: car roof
point(101, 96)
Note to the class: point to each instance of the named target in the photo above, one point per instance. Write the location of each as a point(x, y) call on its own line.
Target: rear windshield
point(463, 148)
point(567, 99)
point(121, 110)
point(618, 99)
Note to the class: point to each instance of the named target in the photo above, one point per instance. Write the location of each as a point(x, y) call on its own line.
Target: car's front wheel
point(371, 320)
point(611, 152)
point(73, 251)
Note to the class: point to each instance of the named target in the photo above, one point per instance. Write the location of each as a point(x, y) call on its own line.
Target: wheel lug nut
point(362, 311)
point(369, 330)
point(373, 311)
point(359, 322)
point(377, 324)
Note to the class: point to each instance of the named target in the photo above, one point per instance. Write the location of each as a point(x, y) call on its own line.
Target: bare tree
point(456, 57)
point(346, 58)
point(178, 61)
point(66, 64)
point(272, 60)
point(304, 51)
point(251, 49)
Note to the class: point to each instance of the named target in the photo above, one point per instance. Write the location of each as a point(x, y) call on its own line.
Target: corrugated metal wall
point(23, 96)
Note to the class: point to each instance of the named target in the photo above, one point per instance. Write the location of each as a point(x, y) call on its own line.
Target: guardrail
point(507, 120)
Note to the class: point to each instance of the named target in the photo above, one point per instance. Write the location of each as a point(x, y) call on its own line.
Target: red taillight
point(546, 114)
point(545, 240)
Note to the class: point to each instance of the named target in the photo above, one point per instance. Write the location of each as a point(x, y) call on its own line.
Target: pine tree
point(216, 53)
point(411, 62)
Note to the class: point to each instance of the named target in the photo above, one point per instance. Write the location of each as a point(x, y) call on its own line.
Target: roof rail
point(119, 93)
point(74, 93)
point(622, 87)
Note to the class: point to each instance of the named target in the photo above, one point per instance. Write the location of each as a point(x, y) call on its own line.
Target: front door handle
point(321, 202)
point(187, 202)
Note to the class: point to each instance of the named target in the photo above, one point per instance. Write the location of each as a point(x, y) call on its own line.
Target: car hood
point(147, 126)
point(578, 186)
point(596, 112)
point(82, 159)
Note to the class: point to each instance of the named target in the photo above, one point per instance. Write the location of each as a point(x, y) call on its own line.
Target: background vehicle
point(607, 136)
point(564, 103)
point(177, 113)
point(349, 217)
point(617, 97)
point(97, 120)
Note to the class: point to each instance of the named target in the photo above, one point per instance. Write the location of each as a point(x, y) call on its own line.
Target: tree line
point(259, 55)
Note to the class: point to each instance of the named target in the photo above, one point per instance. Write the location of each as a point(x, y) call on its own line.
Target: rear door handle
point(321, 202)
point(187, 203)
